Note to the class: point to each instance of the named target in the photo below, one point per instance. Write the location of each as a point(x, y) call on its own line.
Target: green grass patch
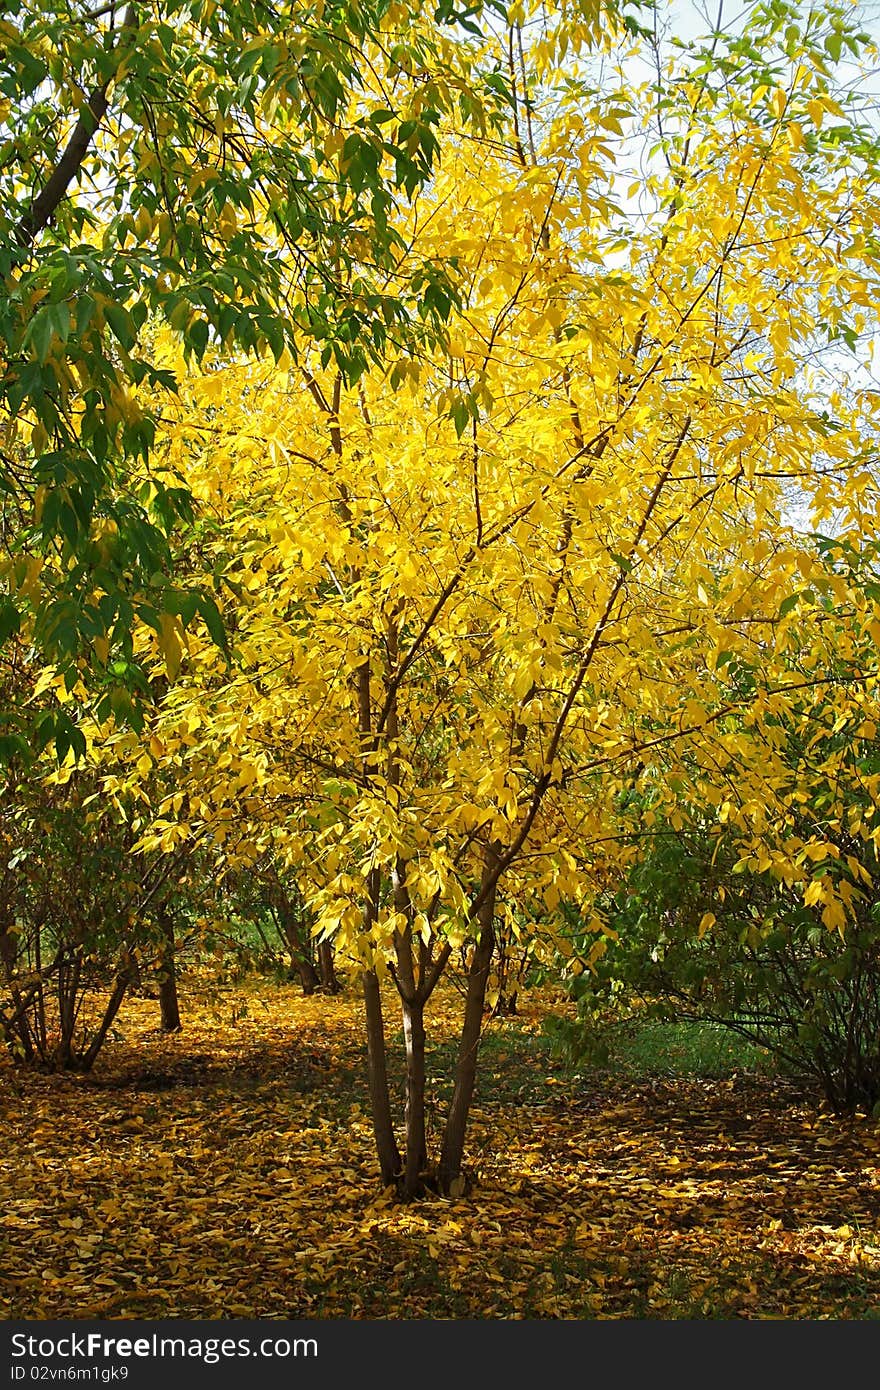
point(656, 1047)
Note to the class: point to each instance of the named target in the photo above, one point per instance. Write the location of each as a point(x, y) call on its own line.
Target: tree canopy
point(496, 389)
point(230, 170)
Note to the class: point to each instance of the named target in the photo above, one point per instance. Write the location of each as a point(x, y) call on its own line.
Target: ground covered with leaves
point(228, 1171)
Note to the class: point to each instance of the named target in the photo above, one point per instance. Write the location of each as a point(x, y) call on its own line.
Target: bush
point(762, 964)
point(80, 914)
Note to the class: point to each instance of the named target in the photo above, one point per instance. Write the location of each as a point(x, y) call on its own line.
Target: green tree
point(226, 168)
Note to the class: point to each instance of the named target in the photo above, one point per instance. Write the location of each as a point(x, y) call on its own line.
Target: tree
point(469, 599)
point(757, 909)
point(230, 169)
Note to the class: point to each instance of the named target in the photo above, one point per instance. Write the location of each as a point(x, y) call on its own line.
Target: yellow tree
point(470, 597)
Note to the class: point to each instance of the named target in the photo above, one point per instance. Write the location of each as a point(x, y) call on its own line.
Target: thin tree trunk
point(40, 1030)
point(291, 931)
point(327, 969)
point(68, 986)
point(383, 1129)
point(466, 1067)
point(169, 1006)
point(416, 1146)
point(271, 949)
point(123, 979)
point(17, 1024)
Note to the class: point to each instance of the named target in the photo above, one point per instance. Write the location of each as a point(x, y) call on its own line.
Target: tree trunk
point(68, 988)
point(386, 1145)
point(291, 931)
point(299, 957)
point(16, 1027)
point(308, 975)
point(40, 1034)
point(416, 1146)
point(169, 1006)
point(8, 950)
point(466, 1067)
point(120, 985)
point(327, 969)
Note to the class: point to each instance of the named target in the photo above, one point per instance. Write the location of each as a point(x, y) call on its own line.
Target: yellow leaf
point(814, 894)
point(834, 916)
point(551, 896)
point(170, 643)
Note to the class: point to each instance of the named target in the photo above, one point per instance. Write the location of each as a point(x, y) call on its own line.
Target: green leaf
point(209, 611)
point(119, 320)
point(788, 605)
point(834, 46)
point(10, 619)
point(460, 416)
point(13, 746)
point(40, 334)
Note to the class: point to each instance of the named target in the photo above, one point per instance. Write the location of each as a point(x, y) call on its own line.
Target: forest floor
point(228, 1171)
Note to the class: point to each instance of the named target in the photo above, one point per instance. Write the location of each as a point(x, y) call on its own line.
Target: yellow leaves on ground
point(230, 1171)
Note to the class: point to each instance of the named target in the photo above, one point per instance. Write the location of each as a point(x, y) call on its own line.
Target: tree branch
point(41, 210)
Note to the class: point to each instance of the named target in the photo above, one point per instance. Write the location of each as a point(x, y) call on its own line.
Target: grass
point(654, 1047)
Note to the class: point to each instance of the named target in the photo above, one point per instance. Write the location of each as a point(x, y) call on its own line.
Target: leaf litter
point(228, 1171)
